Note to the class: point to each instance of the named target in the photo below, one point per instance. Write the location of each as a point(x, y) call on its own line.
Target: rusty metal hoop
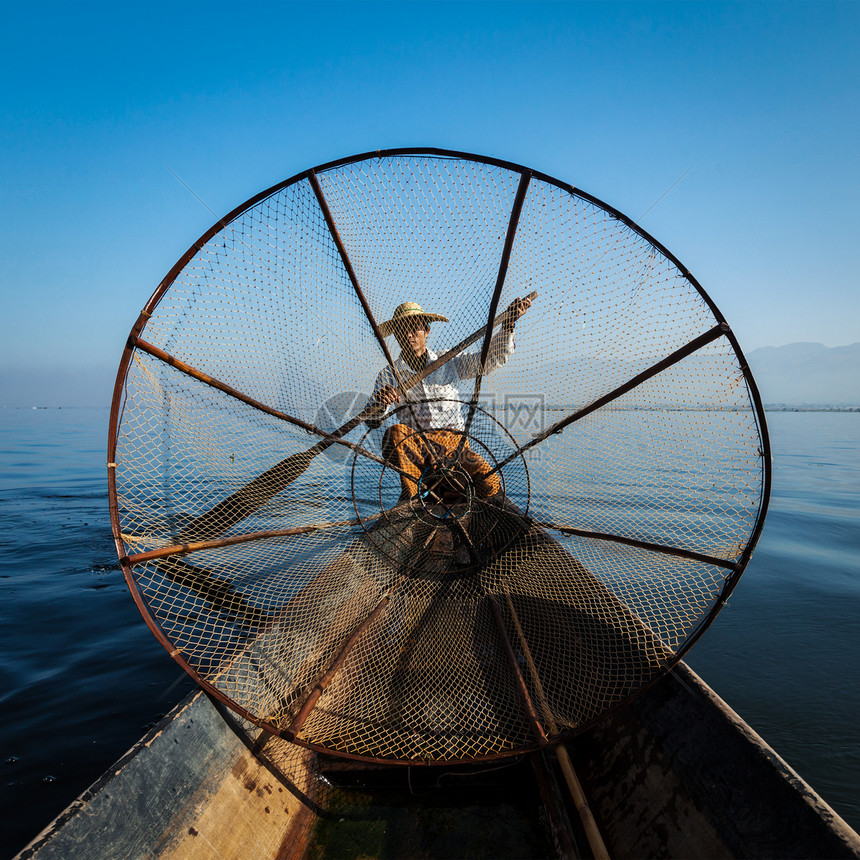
point(270, 576)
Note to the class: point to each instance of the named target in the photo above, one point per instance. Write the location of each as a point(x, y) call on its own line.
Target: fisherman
point(436, 406)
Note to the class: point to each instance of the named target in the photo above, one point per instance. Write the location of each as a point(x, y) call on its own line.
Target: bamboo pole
point(589, 824)
point(522, 689)
point(557, 818)
point(320, 686)
point(592, 832)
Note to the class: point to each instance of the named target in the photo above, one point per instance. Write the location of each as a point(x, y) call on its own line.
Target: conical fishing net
point(538, 526)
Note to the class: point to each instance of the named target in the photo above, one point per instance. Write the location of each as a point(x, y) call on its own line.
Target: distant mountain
point(807, 373)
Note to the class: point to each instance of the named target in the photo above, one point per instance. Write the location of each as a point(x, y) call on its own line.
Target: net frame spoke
point(519, 680)
point(377, 333)
point(242, 503)
point(510, 235)
point(665, 549)
point(319, 687)
point(233, 540)
point(719, 330)
point(213, 382)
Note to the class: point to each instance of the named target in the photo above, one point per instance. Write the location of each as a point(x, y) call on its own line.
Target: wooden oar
point(246, 500)
point(434, 365)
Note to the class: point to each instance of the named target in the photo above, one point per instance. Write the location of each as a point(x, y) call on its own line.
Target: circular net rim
point(140, 325)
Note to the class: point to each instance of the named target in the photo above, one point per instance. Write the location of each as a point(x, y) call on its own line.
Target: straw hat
point(406, 311)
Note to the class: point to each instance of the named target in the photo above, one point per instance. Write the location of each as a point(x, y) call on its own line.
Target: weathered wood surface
point(677, 773)
point(193, 787)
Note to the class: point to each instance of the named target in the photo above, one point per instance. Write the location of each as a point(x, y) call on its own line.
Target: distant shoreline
point(554, 407)
point(783, 407)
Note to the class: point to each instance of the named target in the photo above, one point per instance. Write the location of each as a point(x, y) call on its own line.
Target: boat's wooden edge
point(818, 807)
point(678, 773)
point(79, 805)
point(194, 781)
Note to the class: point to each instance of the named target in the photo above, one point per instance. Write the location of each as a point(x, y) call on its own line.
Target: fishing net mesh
point(292, 574)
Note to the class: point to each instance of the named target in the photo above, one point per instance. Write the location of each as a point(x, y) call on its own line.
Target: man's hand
point(515, 310)
point(386, 396)
point(380, 403)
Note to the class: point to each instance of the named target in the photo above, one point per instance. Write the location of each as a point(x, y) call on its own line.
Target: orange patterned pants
point(407, 450)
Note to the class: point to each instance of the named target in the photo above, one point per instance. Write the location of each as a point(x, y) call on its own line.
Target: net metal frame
point(297, 586)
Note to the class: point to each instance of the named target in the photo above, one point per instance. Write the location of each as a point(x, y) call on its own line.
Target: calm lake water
point(81, 677)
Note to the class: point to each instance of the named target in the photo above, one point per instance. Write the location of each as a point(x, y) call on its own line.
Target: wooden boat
point(675, 774)
point(461, 635)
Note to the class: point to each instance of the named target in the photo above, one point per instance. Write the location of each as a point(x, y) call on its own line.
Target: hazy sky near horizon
point(753, 107)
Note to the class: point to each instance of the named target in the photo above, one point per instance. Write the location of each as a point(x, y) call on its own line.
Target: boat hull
point(676, 773)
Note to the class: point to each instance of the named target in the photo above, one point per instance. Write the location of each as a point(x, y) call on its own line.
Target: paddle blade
point(244, 502)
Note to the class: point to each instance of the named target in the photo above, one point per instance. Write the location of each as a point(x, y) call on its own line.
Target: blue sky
point(103, 103)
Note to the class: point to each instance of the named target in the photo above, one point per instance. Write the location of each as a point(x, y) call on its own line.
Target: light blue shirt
point(436, 397)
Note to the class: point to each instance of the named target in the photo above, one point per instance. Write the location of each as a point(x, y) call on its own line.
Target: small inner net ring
point(446, 492)
point(443, 539)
